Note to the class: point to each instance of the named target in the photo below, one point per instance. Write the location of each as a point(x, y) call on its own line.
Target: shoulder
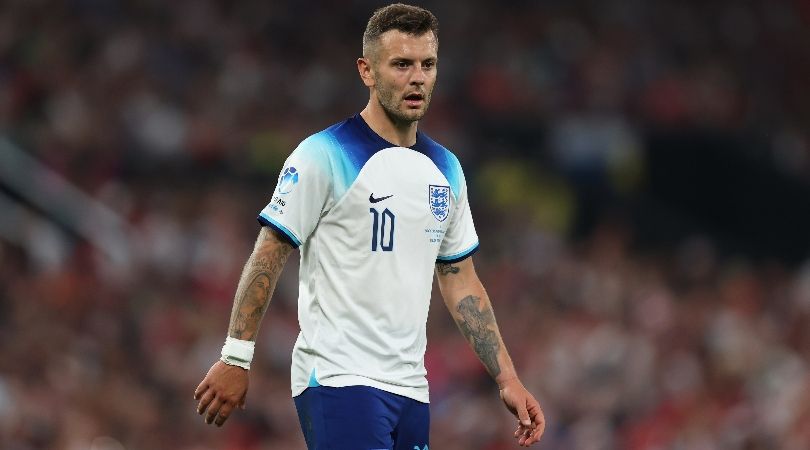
point(318, 142)
point(319, 148)
point(339, 151)
point(335, 139)
point(444, 159)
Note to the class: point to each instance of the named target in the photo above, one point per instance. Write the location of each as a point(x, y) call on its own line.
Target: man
point(372, 204)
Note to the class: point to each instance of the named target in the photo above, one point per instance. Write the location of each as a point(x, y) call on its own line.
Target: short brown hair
point(406, 18)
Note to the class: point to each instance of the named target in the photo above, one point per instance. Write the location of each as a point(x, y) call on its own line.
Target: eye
point(401, 64)
point(429, 64)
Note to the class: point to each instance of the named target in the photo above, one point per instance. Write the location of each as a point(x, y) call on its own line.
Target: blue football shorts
point(361, 418)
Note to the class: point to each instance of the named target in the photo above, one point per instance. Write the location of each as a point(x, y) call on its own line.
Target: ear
point(366, 71)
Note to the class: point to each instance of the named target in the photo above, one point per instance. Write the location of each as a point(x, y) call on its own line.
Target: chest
point(399, 197)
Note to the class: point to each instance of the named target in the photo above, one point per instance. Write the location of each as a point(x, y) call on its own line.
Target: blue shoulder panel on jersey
point(444, 159)
point(350, 144)
point(460, 256)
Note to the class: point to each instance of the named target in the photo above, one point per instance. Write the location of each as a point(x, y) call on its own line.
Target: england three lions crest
point(439, 200)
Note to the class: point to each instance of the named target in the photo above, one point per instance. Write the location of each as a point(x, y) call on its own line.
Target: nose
point(419, 76)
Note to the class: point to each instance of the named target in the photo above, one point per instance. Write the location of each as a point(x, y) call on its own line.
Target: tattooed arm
point(469, 305)
point(257, 283)
point(225, 386)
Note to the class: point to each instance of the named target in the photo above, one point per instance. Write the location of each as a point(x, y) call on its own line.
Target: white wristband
point(237, 352)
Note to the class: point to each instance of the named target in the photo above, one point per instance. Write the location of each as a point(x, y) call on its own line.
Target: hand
point(223, 389)
point(521, 403)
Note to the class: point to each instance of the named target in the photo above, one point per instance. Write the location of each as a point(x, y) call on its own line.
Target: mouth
point(414, 99)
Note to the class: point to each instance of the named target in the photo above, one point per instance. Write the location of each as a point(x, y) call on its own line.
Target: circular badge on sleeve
point(288, 180)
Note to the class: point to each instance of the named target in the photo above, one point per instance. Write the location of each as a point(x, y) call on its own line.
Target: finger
point(539, 428)
point(243, 400)
point(224, 413)
point(213, 409)
point(205, 400)
point(528, 440)
point(200, 389)
point(537, 432)
point(522, 434)
point(522, 441)
point(538, 418)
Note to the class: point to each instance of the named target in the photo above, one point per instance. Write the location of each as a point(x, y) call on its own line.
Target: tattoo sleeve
point(446, 269)
point(256, 285)
point(478, 326)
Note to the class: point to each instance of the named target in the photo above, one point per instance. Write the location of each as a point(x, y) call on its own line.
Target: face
point(402, 74)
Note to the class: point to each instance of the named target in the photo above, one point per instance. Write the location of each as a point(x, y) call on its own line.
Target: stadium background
point(639, 171)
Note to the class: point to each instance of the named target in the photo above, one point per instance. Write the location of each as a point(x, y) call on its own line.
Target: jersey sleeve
point(460, 241)
point(302, 193)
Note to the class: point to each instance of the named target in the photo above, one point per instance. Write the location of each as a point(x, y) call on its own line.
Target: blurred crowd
point(178, 115)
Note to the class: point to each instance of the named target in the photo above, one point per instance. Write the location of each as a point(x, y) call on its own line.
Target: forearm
point(471, 309)
point(474, 316)
point(256, 285)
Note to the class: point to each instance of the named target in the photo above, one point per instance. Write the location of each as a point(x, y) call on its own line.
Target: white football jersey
point(371, 220)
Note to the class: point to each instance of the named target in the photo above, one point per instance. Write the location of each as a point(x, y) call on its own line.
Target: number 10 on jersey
point(382, 225)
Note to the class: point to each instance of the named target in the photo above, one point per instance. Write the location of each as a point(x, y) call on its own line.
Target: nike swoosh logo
point(375, 200)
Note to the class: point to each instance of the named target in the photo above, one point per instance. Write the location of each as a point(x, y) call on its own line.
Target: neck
point(399, 133)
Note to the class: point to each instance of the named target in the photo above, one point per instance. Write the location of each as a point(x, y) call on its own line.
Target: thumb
point(523, 414)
